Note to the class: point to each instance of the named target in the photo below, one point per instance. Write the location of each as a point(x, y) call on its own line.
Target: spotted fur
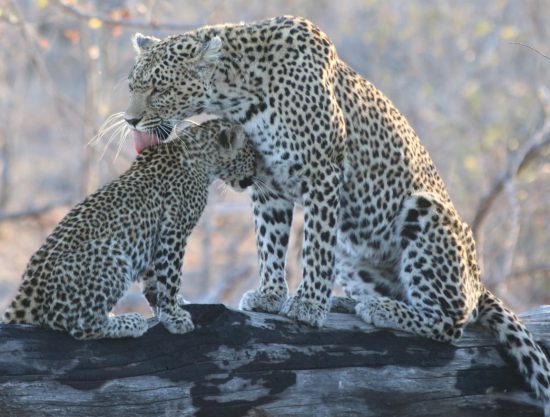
point(136, 226)
point(377, 215)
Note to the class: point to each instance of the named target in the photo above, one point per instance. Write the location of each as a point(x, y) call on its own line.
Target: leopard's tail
point(520, 345)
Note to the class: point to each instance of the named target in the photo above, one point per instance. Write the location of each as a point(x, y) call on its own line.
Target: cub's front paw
point(304, 311)
point(254, 300)
point(178, 322)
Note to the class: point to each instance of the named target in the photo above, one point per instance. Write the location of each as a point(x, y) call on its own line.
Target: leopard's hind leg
point(90, 281)
point(438, 272)
point(360, 281)
point(123, 325)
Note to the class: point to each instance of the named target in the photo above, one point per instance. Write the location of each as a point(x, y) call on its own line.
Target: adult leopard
point(377, 215)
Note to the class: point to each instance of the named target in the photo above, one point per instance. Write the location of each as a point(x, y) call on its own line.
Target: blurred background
point(472, 77)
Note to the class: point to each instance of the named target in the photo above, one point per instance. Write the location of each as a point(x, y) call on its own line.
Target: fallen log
point(259, 365)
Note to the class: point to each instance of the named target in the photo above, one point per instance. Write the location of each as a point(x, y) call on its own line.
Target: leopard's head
point(169, 82)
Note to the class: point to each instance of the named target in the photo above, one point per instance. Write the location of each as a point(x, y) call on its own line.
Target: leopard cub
point(135, 227)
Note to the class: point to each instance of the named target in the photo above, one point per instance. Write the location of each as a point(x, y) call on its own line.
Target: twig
point(107, 21)
point(34, 211)
point(30, 37)
point(531, 48)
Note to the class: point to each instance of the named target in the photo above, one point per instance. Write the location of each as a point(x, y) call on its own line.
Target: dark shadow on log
point(237, 364)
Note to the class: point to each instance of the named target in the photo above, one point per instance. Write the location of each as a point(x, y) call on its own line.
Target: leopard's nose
point(133, 122)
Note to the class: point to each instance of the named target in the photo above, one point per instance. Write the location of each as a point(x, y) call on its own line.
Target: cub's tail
point(20, 309)
point(529, 356)
point(14, 314)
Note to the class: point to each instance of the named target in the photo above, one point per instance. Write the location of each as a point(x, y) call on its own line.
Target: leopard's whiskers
point(111, 139)
point(111, 123)
point(123, 132)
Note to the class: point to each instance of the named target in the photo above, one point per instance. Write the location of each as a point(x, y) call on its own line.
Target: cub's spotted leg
point(150, 291)
point(272, 220)
point(166, 278)
point(321, 204)
point(437, 271)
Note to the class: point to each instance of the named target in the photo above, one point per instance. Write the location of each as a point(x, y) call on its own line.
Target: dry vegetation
point(461, 73)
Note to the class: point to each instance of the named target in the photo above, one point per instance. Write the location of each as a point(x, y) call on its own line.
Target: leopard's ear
point(142, 43)
point(232, 139)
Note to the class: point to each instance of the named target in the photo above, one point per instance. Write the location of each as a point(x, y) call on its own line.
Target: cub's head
point(170, 81)
point(226, 149)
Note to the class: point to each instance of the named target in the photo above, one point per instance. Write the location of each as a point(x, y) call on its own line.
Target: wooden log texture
point(261, 365)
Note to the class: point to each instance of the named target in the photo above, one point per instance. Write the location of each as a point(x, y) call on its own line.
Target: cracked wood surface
point(259, 365)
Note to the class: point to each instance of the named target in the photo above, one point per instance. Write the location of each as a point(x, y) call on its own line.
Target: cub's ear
point(207, 57)
point(211, 51)
point(232, 139)
point(142, 43)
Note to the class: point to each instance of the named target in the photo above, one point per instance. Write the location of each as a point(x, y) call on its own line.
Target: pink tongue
point(143, 140)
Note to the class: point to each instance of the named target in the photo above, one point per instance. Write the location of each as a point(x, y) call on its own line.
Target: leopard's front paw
point(342, 305)
point(366, 310)
point(177, 322)
point(375, 311)
point(304, 311)
point(254, 300)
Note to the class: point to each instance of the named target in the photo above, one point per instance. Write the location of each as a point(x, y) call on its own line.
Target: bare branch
point(108, 21)
point(510, 242)
point(544, 97)
point(521, 159)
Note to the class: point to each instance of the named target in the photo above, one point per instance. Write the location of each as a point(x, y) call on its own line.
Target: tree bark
point(239, 364)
